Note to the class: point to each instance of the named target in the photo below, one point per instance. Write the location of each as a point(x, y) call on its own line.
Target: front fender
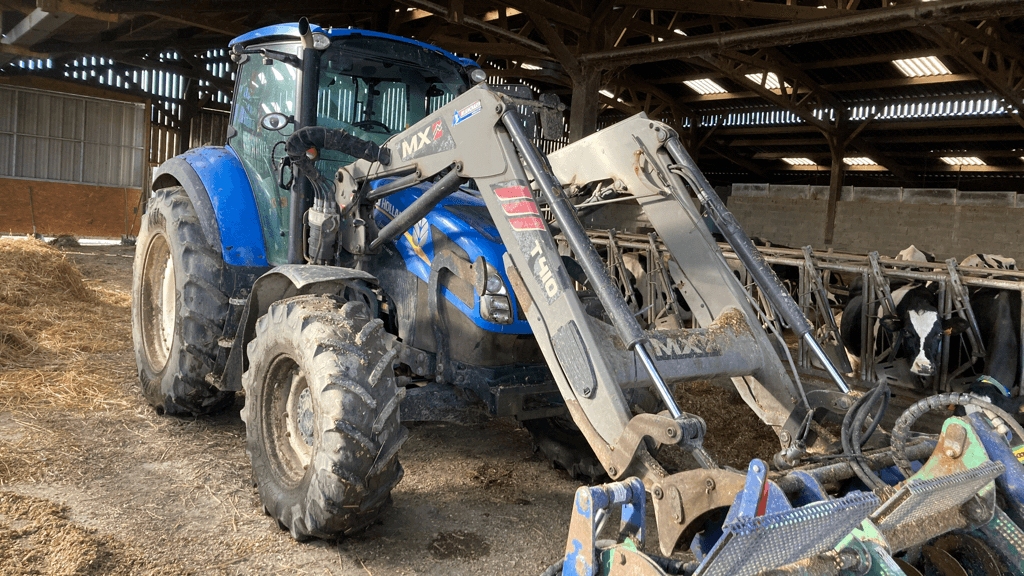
point(215, 181)
point(283, 282)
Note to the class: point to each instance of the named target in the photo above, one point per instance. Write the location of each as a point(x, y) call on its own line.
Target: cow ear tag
point(954, 325)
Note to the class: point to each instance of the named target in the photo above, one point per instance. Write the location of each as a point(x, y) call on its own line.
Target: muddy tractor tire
point(321, 416)
point(178, 307)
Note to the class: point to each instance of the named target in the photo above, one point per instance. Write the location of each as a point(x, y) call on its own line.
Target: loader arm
point(478, 136)
point(635, 154)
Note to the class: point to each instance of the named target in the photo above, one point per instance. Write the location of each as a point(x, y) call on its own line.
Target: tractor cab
point(371, 85)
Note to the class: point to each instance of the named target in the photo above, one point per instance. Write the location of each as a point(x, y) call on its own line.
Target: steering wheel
point(369, 125)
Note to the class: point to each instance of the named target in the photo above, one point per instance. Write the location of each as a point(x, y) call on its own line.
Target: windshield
point(370, 87)
point(376, 87)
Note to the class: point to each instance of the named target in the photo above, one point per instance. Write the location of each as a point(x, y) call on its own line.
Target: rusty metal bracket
point(830, 400)
point(684, 500)
point(659, 427)
point(951, 490)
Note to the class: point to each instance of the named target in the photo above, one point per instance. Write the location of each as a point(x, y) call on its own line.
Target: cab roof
point(291, 30)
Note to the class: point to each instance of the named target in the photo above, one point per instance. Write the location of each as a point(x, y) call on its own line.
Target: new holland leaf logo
point(421, 233)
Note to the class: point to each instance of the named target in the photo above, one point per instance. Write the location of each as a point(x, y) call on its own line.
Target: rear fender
point(218, 187)
point(284, 282)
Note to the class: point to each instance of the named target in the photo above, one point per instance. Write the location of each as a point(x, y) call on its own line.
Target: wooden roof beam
point(23, 6)
point(743, 9)
point(78, 9)
point(805, 105)
point(552, 12)
point(855, 23)
point(22, 52)
point(736, 159)
point(479, 25)
point(496, 49)
point(1005, 80)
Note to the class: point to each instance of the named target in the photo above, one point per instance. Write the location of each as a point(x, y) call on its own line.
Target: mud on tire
point(321, 416)
point(178, 307)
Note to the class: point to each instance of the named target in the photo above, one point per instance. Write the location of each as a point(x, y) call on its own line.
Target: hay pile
point(62, 343)
point(735, 434)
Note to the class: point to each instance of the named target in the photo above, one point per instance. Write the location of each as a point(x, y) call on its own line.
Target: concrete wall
point(946, 222)
point(63, 208)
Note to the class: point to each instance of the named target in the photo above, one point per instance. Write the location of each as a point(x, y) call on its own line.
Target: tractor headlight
point(477, 75)
point(496, 309)
point(495, 285)
point(321, 41)
point(494, 303)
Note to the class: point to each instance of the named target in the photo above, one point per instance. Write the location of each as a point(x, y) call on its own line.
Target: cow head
point(922, 332)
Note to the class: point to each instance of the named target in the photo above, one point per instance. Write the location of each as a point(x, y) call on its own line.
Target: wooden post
point(189, 110)
point(837, 145)
point(584, 106)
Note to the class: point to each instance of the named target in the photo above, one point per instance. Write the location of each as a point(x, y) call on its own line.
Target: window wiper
point(268, 54)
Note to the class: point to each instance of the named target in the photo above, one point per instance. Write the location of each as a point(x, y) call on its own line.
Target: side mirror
point(275, 121)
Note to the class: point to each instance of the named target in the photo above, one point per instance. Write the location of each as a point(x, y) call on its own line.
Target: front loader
point(380, 227)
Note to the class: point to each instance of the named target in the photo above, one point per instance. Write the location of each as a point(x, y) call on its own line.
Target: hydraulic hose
point(878, 417)
point(851, 436)
point(901, 431)
point(299, 144)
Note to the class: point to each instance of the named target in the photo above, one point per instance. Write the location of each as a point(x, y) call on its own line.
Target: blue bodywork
point(463, 218)
point(215, 181)
point(292, 31)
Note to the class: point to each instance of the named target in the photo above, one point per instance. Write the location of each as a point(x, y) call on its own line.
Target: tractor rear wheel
point(321, 416)
point(178, 307)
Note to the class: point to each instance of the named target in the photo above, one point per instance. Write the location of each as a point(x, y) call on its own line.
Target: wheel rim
point(159, 303)
point(288, 418)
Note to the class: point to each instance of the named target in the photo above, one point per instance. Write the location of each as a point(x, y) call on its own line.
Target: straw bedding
point(62, 342)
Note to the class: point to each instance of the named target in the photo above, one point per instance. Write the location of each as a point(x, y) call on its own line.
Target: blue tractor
point(380, 225)
point(242, 279)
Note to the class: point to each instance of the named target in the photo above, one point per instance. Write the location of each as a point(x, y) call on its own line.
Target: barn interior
point(856, 125)
point(854, 128)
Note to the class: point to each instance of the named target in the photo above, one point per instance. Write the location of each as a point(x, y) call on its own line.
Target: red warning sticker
point(514, 193)
point(520, 208)
point(528, 223)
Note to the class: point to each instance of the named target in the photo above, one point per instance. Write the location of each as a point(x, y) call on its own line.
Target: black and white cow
point(998, 315)
point(993, 261)
point(916, 320)
point(913, 254)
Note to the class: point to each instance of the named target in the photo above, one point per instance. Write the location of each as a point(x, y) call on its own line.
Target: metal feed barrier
point(816, 272)
point(819, 282)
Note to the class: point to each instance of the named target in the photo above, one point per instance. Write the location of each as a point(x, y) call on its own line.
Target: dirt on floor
point(93, 481)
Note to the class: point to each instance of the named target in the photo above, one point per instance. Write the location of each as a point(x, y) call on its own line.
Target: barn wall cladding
point(946, 222)
point(64, 208)
point(70, 163)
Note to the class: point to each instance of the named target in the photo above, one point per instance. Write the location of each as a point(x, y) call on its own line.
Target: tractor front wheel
point(321, 416)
